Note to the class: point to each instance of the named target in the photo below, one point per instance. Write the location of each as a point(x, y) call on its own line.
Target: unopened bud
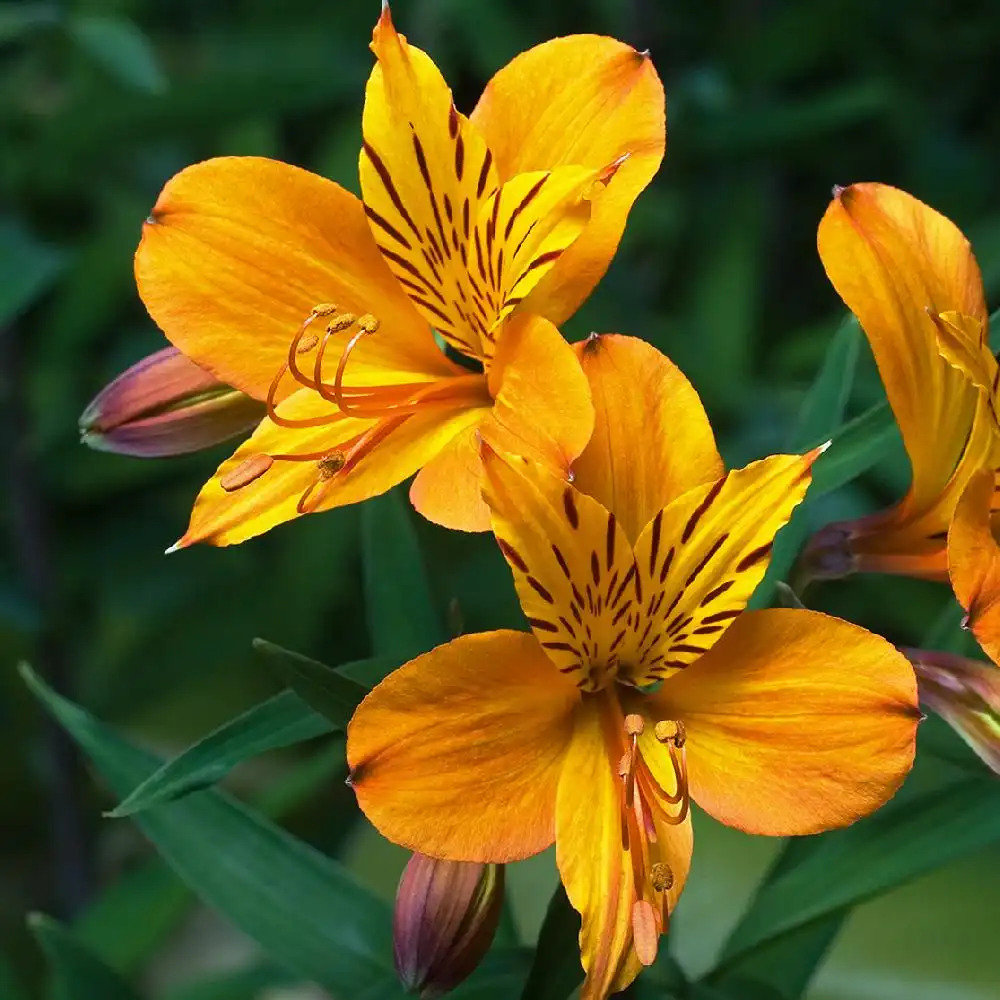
point(166, 405)
point(966, 694)
point(446, 915)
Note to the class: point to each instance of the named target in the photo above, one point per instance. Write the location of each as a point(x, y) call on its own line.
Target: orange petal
point(893, 260)
point(238, 251)
point(458, 753)
point(543, 407)
point(796, 722)
point(595, 868)
point(542, 410)
point(700, 559)
point(584, 100)
point(652, 440)
point(224, 516)
point(572, 565)
point(974, 562)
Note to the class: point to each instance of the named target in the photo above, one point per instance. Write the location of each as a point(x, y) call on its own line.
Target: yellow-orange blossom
point(643, 684)
point(486, 229)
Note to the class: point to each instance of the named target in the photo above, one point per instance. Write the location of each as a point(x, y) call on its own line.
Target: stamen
point(246, 472)
point(645, 932)
point(670, 731)
point(634, 724)
point(329, 465)
point(307, 344)
point(662, 876)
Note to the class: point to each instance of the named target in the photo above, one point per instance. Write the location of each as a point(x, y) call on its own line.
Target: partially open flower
point(446, 915)
point(966, 694)
point(163, 405)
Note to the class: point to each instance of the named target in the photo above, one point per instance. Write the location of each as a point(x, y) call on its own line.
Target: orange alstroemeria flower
point(487, 230)
point(643, 683)
point(966, 692)
point(910, 277)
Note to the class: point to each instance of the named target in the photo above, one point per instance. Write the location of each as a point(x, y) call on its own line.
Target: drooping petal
point(226, 513)
point(796, 722)
point(572, 565)
point(458, 753)
point(584, 100)
point(974, 562)
point(700, 559)
point(895, 262)
point(652, 440)
point(239, 250)
point(542, 410)
point(595, 867)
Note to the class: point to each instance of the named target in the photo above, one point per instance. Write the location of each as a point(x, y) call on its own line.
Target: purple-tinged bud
point(966, 694)
point(166, 405)
point(446, 915)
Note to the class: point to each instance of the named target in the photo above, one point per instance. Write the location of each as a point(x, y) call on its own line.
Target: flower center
point(644, 803)
point(380, 409)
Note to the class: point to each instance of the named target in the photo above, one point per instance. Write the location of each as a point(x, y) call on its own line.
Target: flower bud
point(966, 694)
point(446, 915)
point(166, 405)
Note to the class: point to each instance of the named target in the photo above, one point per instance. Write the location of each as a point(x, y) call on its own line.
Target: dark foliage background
point(769, 102)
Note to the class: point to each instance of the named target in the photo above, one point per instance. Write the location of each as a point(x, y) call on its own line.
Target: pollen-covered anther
point(662, 876)
point(670, 731)
point(245, 473)
point(341, 322)
point(329, 465)
point(634, 724)
point(625, 764)
point(306, 344)
point(368, 323)
point(324, 309)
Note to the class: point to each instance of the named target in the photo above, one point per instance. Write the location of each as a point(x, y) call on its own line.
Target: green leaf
point(556, 970)
point(857, 446)
point(243, 984)
point(77, 974)
point(108, 925)
point(821, 413)
point(402, 620)
point(905, 839)
point(320, 687)
point(303, 908)
point(822, 410)
point(121, 49)
point(27, 269)
point(280, 721)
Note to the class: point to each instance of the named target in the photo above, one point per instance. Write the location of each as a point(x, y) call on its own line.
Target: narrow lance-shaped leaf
point(77, 973)
point(556, 971)
point(302, 907)
point(280, 721)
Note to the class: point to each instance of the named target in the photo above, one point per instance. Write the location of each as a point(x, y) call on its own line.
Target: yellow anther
point(324, 309)
point(634, 724)
point(671, 732)
point(307, 343)
point(341, 322)
point(330, 465)
point(661, 875)
point(368, 323)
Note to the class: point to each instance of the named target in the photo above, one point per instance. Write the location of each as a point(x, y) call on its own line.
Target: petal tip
point(181, 543)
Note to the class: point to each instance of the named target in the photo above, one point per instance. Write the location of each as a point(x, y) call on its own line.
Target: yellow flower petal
point(894, 260)
point(542, 410)
point(458, 753)
point(796, 722)
point(584, 100)
point(238, 250)
point(572, 565)
point(467, 248)
point(652, 440)
point(226, 513)
point(700, 559)
point(974, 561)
point(593, 864)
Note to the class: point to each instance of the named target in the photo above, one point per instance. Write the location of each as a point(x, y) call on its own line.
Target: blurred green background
point(768, 105)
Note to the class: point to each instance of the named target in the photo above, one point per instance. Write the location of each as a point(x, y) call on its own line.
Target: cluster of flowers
point(415, 331)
